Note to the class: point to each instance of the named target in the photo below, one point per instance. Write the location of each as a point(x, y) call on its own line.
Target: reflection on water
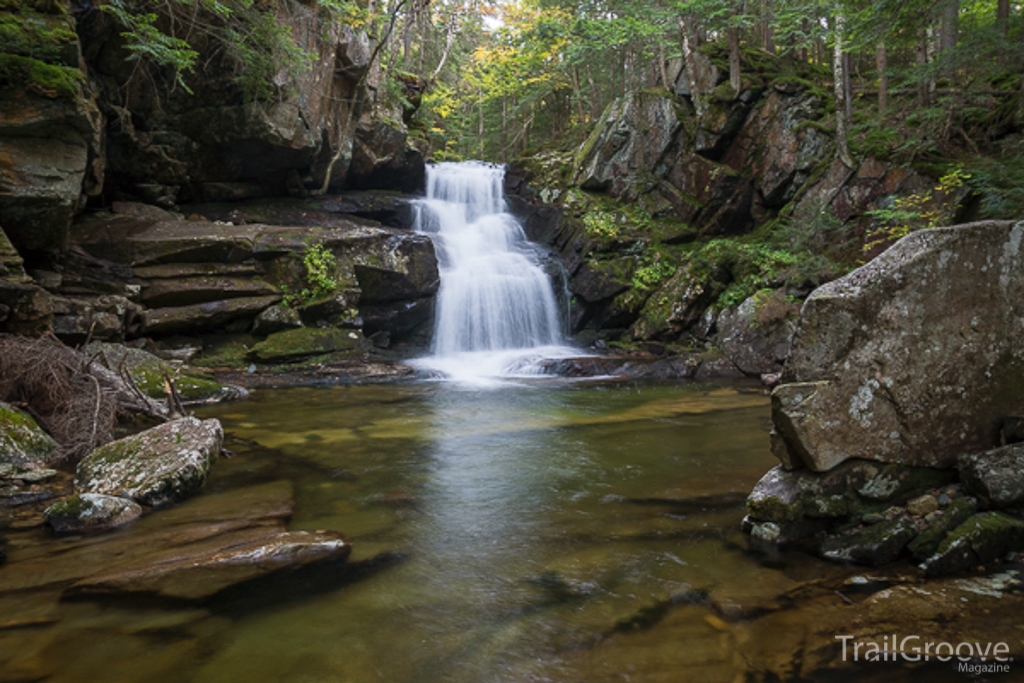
point(551, 532)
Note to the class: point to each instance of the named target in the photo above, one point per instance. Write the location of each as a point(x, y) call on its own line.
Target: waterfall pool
point(542, 530)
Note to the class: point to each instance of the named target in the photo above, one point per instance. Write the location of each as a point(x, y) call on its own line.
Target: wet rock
point(161, 465)
point(25, 308)
point(23, 442)
point(874, 545)
point(983, 538)
point(785, 496)
point(202, 569)
point(996, 477)
point(938, 524)
point(107, 317)
point(91, 512)
point(939, 378)
point(24, 475)
point(294, 345)
point(756, 335)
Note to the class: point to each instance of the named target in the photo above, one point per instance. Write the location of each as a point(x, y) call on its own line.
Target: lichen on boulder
point(91, 512)
point(156, 467)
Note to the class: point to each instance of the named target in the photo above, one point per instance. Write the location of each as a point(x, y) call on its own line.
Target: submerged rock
point(200, 570)
point(91, 512)
point(882, 368)
point(22, 441)
point(156, 467)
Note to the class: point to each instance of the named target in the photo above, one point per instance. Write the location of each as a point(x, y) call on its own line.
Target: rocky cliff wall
point(81, 121)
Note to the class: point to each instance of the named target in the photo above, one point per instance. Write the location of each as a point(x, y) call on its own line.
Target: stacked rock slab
point(912, 361)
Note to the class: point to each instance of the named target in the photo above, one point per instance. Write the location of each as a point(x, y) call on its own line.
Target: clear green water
point(547, 531)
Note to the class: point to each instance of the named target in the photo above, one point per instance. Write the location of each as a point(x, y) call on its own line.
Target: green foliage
point(602, 224)
point(260, 46)
point(927, 209)
point(44, 79)
point(321, 276)
point(999, 183)
point(656, 267)
point(44, 37)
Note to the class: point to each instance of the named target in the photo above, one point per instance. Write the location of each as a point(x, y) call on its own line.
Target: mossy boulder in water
point(22, 441)
point(983, 538)
point(91, 512)
point(874, 544)
point(156, 467)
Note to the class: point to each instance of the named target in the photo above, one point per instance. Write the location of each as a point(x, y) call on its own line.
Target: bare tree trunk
point(881, 65)
point(949, 13)
point(1003, 24)
point(690, 63)
point(450, 33)
point(735, 76)
point(839, 81)
point(921, 58)
point(664, 67)
point(594, 112)
point(769, 26)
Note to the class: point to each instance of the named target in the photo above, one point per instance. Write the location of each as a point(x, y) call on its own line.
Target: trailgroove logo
point(972, 658)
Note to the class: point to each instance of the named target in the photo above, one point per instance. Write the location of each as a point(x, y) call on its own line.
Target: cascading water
point(496, 310)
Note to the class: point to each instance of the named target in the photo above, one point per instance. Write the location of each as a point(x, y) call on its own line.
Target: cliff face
point(114, 128)
point(653, 214)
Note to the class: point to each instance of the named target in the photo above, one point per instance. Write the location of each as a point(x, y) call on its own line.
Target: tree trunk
point(1003, 24)
point(735, 77)
point(839, 73)
point(881, 64)
point(664, 66)
point(921, 58)
point(689, 61)
point(949, 13)
point(769, 26)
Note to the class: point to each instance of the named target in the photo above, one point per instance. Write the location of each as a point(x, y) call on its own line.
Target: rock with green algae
point(938, 524)
point(294, 345)
point(984, 537)
point(874, 544)
point(786, 496)
point(148, 370)
point(156, 467)
point(996, 477)
point(22, 441)
point(91, 512)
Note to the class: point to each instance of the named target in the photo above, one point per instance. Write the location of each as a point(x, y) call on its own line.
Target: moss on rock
point(22, 441)
point(294, 345)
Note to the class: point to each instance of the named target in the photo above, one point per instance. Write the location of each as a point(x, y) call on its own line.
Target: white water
point(496, 311)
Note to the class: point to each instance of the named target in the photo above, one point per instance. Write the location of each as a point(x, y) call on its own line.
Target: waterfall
point(496, 309)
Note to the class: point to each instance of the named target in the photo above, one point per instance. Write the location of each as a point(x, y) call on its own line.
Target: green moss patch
point(45, 79)
point(295, 345)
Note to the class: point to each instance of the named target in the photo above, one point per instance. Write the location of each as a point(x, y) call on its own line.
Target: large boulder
point(913, 358)
point(756, 335)
point(161, 465)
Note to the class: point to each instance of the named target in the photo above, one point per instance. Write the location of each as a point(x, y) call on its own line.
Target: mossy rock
point(158, 466)
point(91, 512)
point(938, 527)
point(295, 345)
point(985, 537)
point(874, 545)
point(148, 372)
point(22, 441)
